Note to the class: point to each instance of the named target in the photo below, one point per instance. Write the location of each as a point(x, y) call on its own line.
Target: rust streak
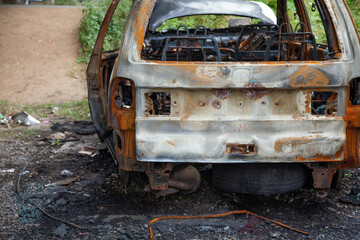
point(279, 102)
point(216, 104)
point(223, 93)
point(280, 143)
point(139, 34)
point(171, 143)
point(308, 102)
point(184, 117)
point(308, 77)
point(201, 103)
point(324, 158)
point(256, 90)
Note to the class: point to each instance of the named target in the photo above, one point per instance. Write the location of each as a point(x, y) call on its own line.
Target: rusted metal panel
point(287, 103)
point(205, 141)
point(323, 177)
point(352, 158)
point(123, 122)
point(296, 75)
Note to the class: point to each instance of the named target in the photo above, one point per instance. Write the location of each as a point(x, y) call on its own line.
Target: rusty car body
point(258, 96)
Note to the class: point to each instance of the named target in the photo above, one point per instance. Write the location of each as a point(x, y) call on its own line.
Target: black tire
point(337, 178)
point(259, 178)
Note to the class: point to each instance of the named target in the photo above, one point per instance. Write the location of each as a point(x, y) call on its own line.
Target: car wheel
point(259, 178)
point(337, 178)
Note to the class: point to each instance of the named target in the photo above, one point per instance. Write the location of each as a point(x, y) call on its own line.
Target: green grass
point(93, 15)
point(209, 21)
point(4, 107)
point(76, 110)
point(354, 6)
point(67, 2)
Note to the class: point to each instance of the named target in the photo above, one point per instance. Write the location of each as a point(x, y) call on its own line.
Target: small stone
point(61, 230)
point(124, 237)
point(320, 237)
point(129, 233)
point(115, 175)
point(206, 229)
point(78, 188)
point(347, 192)
point(66, 173)
point(61, 202)
point(275, 234)
point(55, 110)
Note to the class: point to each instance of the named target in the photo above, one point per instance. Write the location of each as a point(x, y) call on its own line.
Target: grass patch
point(93, 15)
point(4, 107)
point(28, 133)
point(354, 6)
point(67, 2)
point(76, 110)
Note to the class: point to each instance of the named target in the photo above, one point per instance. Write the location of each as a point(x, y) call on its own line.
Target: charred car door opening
point(267, 101)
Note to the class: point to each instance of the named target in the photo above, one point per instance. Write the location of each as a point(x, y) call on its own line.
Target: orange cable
point(220, 215)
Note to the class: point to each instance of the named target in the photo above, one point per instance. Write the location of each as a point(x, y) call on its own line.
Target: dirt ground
point(38, 55)
point(92, 198)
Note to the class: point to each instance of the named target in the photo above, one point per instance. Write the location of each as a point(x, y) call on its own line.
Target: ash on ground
point(84, 189)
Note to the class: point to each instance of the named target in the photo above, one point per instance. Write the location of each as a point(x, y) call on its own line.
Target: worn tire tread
point(259, 178)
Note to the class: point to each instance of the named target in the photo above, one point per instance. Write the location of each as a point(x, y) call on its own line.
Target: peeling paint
point(308, 77)
point(255, 90)
point(216, 104)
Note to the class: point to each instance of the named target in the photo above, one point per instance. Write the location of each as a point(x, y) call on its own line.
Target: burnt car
point(266, 101)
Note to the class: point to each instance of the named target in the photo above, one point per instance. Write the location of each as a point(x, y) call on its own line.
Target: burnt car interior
point(323, 103)
point(268, 37)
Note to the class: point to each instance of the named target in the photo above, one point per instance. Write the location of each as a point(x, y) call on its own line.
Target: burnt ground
point(94, 199)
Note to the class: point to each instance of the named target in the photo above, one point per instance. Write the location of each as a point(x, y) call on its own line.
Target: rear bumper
point(206, 141)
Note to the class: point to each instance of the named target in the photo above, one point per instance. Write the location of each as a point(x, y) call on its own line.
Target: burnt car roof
point(167, 9)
